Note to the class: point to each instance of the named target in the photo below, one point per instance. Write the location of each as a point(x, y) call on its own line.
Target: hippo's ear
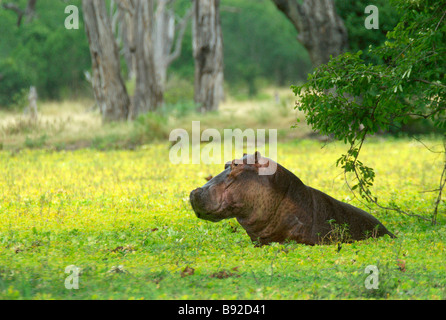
point(257, 156)
point(260, 162)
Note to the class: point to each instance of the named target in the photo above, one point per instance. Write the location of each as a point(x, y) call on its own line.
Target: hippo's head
point(235, 191)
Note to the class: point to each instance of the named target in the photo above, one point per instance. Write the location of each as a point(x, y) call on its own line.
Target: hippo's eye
point(234, 163)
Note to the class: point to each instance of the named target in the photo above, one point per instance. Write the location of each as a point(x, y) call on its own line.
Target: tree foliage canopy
point(350, 99)
point(360, 38)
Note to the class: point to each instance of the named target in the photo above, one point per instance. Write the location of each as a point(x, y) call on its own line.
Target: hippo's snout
point(205, 203)
point(195, 199)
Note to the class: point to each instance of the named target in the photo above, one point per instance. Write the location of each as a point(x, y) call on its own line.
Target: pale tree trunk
point(108, 85)
point(148, 92)
point(154, 50)
point(208, 54)
point(129, 47)
point(165, 29)
point(30, 10)
point(163, 35)
point(126, 36)
point(32, 106)
point(319, 27)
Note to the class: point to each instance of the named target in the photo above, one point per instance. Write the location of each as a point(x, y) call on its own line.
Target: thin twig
point(429, 82)
point(439, 22)
point(426, 191)
point(366, 194)
point(442, 184)
point(433, 151)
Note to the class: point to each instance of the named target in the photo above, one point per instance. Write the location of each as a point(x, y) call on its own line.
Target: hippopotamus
point(279, 207)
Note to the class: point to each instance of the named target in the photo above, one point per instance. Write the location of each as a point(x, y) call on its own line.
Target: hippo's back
point(330, 214)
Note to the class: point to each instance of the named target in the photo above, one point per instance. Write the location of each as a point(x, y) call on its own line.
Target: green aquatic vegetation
point(124, 219)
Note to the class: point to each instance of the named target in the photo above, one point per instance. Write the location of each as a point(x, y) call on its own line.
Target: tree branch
point(442, 185)
point(29, 12)
point(178, 44)
point(441, 19)
point(16, 9)
point(430, 149)
point(429, 82)
point(292, 10)
point(366, 194)
point(127, 6)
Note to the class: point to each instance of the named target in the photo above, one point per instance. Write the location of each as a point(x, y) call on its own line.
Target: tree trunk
point(163, 35)
point(126, 16)
point(320, 29)
point(30, 10)
point(155, 34)
point(109, 89)
point(148, 92)
point(208, 54)
point(32, 106)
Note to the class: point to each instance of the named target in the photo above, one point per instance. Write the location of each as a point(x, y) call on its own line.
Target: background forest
point(260, 49)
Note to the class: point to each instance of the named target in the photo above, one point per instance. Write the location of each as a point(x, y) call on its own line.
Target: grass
point(124, 218)
point(74, 125)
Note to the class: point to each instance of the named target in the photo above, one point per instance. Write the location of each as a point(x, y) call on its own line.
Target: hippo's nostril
point(196, 192)
point(194, 195)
